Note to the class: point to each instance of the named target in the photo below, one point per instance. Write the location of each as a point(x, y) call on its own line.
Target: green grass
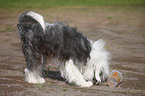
point(56, 3)
point(65, 90)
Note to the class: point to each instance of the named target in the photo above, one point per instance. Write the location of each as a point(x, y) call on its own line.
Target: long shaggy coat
point(80, 59)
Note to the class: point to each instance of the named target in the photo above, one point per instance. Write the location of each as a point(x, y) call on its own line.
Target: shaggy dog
point(80, 59)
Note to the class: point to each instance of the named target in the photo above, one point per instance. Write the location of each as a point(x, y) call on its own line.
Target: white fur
point(33, 77)
point(72, 74)
point(49, 24)
point(99, 62)
point(38, 18)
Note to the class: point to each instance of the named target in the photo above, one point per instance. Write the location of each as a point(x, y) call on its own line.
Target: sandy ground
point(123, 29)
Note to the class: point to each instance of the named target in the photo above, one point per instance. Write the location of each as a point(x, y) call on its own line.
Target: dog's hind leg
point(99, 60)
point(105, 70)
point(34, 65)
point(73, 75)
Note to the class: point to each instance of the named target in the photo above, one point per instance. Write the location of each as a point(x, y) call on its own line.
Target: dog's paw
point(87, 84)
point(41, 81)
point(35, 81)
point(98, 80)
point(33, 77)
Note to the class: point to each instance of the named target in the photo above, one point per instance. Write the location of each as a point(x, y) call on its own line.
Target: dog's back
point(67, 43)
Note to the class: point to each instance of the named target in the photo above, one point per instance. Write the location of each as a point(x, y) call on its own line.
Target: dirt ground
point(123, 29)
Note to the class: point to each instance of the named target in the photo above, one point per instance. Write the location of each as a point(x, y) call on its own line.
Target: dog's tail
point(98, 45)
point(29, 18)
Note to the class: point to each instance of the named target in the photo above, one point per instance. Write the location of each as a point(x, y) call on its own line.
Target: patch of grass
point(65, 90)
point(109, 17)
point(56, 3)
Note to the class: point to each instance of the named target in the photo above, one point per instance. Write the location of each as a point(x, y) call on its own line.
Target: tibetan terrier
point(80, 59)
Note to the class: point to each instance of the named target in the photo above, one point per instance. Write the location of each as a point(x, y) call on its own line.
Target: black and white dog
point(80, 59)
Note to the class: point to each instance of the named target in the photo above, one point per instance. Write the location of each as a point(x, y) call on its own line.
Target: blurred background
point(120, 23)
point(58, 3)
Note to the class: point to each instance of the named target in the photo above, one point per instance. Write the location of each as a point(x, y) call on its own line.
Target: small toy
point(114, 79)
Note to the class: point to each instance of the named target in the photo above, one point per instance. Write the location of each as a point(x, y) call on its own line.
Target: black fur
point(59, 41)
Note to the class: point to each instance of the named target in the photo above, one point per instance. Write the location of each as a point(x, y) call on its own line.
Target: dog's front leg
point(34, 65)
point(73, 75)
